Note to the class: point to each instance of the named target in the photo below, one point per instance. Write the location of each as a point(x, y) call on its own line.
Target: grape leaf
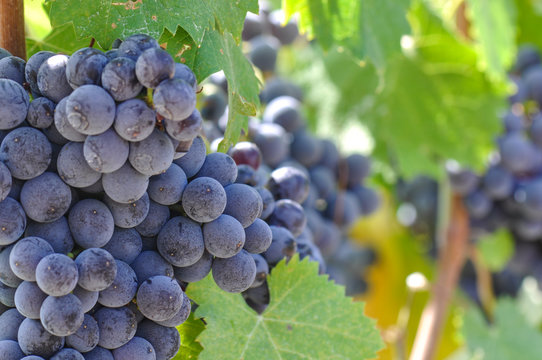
point(308, 317)
point(189, 331)
point(496, 249)
point(369, 29)
point(490, 20)
point(508, 337)
point(528, 23)
point(61, 40)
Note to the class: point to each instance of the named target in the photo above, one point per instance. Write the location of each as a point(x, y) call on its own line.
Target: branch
point(451, 259)
point(12, 27)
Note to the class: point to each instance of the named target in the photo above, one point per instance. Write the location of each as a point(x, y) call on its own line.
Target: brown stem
point(451, 259)
point(12, 27)
point(484, 284)
point(462, 21)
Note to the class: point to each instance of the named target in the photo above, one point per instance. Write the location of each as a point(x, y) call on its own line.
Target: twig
point(484, 285)
point(451, 260)
point(12, 27)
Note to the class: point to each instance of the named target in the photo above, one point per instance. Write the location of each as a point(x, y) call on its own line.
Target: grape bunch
point(110, 205)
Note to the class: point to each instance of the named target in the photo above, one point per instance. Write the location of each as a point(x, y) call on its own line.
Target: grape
point(119, 78)
point(478, 204)
point(137, 348)
point(96, 188)
point(156, 218)
point(4, 53)
point(10, 322)
point(234, 274)
point(165, 340)
point(7, 295)
point(342, 207)
point(517, 153)
point(369, 199)
point(149, 264)
point(192, 162)
point(167, 188)
point(88, 298)
point(125, 244)
point(246, 153)
point(152, 155)
point(285, 32)
point(180, 316)
point(268, 202)
point(117, 326)
point(204, 199)
point(68, 354)
point(25, 256)
point(91, 223)
point(73, 168)
point(56, 233)
point(290, 215)
point(498, 183)
point(276, 87)
point(220, 167)
point(174, 99)
point(153, 66)
point(329, 237)
point(258, 237)
point(159, 298)
point(263, 52)
point(26, 152)
point(106, 152)
point(32, 67)
point(223, 237)
point(56, 275)
point(63, 127)
point(272, 141)
point(52, 81)
point(187, 129)
point(262, 270)
point(123, 288)
point(253, 26)
point(5, 182)
point(97, 269)
point(126, 185)
point(12, 67)
point(527, 57)
point(243, 203)
point(214, 102)
point(129, 215)
point(286, 112)
point(41, 113)
point(532, 80)
point(61, 316)
point(90, 110)
point(7, 277)
point(99, 353)
point(134, 45)
point(28, 299)
point(134, 120)
point(196, 271)
point(85, 67)
point(180, 241)
point(183, 72)
point(34, 339)
point(463, 181)
point(289, 183)
point(10, 349)
point(282, 245)
point(32, 357)
point(12, 221)
point(46, 198)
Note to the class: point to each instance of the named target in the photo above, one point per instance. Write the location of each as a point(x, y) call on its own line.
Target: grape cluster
point(110, 205)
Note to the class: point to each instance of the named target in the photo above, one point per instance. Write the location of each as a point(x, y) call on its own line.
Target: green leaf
point(368, 29)
point(308, 317)
point(493, 24)
point(528, 22)
point(61, 40)
point(496, 249)
point(507, 338)
point(189, 331)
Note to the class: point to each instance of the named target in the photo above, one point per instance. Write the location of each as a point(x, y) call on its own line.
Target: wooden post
point(12, 27)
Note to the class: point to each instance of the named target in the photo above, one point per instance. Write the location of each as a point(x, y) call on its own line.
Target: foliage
point(189, 331)
point(507, 337)
point(496, 249)
point(308, 317)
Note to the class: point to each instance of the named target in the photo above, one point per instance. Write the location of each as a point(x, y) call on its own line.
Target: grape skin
point(73, 168)
point(28, 299)
point(61, 316)
point(57, 275)
point(34, 339)
point(174, 99)
point(126, 185)
point(119, 78)
point(152, 155)
point(117, 326)
point(234, 274)
point(85, 67)
point(134, 120)
point(41, 113)
point(90, 110)
point(224, 237)
point(180, 241)
point(106, 152)
point(10, 321)
point(31, 70)
point(125, 244)
point(167, 188)
point(97, 269)
point(156, 218)
point(52, 81)
point(159, 298)
point(136, 348)
point(91, 223)
point(56, 233)
point(197, 271)
point(63, 130)
point(153, 66)
point(149, 264)
point(10, 350)
point(26, 152)
point(25, 256)
point(204, 199)
point(129, 215)
point(193, 160)
point(165, 340)
point(123, 288)
point(12, 221)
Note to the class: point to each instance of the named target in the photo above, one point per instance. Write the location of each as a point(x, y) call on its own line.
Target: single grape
point(56, 233)
point(12, 67)
point(129, 215)
point(46, 198)
point(61, 316)
point(234, 274)
point(263, 52)
point(12, 221)
point(258, 237)
point(41, 113)
point(73, 168)
point(52, 81)
point(165, 340)
point(134, 120)
point(156, 218)
point(183, 72)
point(125, 244)
point(119, 78)
point(290, 215)
point(97, 269)
point(152, 155)
point(180, 241)
point(28, 300)
point(91, 223)
point(134, 45)
point(7, 277)
point(224, 237)
point(123, 288)
point(220, 167)
point(88, 298)
point(204, 199)
point(282, 245)
point(85, 67)
point(26, 152)
point(57, 275)
point(106, 152)
point(90, 110)
point(34, 339)
point(167, 188)
point(31, 70)
point(10, 321)
point(196, 271)
point(180, 316)
point(117, 326)
point(26, 254)
point(10, 349)
point(159, 298)
point(149, 264)
point(62, 131)
point(136, 348)
point(193, 160)
point(174, 99)
point(243, 203)
point(153, 66)
point(187, 129)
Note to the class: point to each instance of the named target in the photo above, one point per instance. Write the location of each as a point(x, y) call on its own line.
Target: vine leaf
point(507, 337)
point(494, 19)
point(308, 317)
point(189, 331)
point(60, 40)
point(368, 29)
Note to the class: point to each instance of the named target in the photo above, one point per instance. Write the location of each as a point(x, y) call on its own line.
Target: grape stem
point(450, 262)
point(12, 27)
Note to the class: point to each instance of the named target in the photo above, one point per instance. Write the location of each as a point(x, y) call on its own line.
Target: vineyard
point(270, 179)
